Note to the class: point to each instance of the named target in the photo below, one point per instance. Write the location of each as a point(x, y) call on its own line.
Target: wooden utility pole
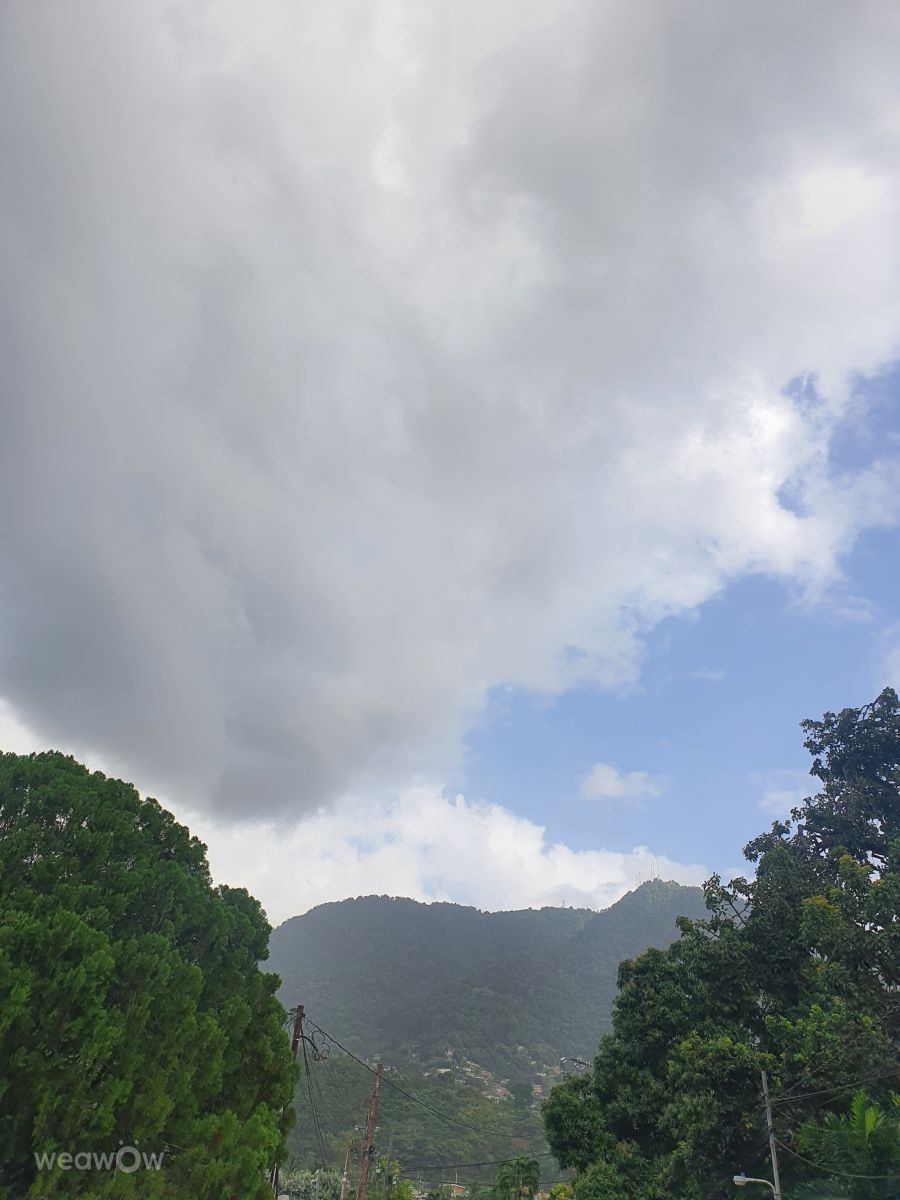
point(299, 1014)
point(369, 1147)
point(296, 1034)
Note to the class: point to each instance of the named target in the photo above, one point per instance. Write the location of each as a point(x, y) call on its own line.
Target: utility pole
point(296, 1034)
point(772, 1151)
point(299, 1014)
point(387, 1167)
point(344, 1179)
point(369, 1147)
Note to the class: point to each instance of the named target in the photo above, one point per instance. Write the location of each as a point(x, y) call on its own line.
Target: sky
point(446, 450)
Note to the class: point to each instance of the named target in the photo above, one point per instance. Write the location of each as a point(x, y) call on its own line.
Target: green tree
point(858, 1151)
point(794, 972)
point(134, 1012)
point(518, 1178)
point(311, 1185)
point(401, 1189)
point(391, 1182)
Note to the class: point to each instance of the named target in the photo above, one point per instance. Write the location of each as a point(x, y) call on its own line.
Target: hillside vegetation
point(436, 1130)
point(509, 991)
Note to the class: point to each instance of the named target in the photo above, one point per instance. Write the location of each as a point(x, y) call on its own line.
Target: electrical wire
point(790, 1095)
point(845, 1087)
point(326, 1157)
point(409, 1095)
point(317, 1128)
point(496, 1162)
point(338, 1086)
point(831, 1170)
point(443, 1183)
point(323, 1103)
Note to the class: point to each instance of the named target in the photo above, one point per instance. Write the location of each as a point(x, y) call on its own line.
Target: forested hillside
point(434, 1126)
point(509, 991)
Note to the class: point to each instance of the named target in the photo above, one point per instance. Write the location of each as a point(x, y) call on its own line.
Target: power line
point(314, 1076)
point(834, 1091)
point(496, 1162)
point(313, 1111)
point(409, 1095)
point(478, 1183)
point(312, 1107)
point(832, 1170)
point(790, 1095)
point(339, 1087)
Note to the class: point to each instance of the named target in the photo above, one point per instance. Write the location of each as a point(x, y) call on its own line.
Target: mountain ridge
point(409, 980)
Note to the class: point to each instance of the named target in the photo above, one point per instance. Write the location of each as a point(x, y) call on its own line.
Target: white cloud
point(605, 782)
point(708, 675)
point(418, 843)
point(854, 610)
point(430, 847)
point(14, 737)
point(888, 669)
point(783, 790)
point(361, 357)
point(778, 802)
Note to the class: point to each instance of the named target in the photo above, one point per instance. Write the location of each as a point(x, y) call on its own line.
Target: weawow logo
point(126, 1159)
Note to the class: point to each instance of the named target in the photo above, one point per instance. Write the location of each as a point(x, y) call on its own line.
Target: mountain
point(508, 991)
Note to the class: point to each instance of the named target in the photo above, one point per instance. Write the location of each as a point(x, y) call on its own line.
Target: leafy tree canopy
point(434, 1120)
point(134, 1012)
point(518, 1178)
point(796, 972)
point(860, 1147)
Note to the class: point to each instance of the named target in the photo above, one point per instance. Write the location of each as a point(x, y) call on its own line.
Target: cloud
point(604, 782)
point(783, 790)
point(428, 846)
point(359, 358)
point(888, 669)
point(708, 675)
point(14, 737)
point(418, 842)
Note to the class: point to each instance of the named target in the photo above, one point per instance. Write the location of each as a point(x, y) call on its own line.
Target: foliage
point(301, 1184)
point(388, 1182)
point(133, 1009)
point(502, 989)
point(859, 1149)
point(518, 1178)
point(794, 972)
point(438, 1122)
point(311, 1185)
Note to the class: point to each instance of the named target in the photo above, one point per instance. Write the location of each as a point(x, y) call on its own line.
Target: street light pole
point(743, 1180)
point(771, 1131)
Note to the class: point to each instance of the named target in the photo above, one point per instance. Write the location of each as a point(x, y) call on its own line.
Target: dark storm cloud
point(357, 358)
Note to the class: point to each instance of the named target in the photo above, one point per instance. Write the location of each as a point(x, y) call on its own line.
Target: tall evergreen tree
point(133, 1009)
